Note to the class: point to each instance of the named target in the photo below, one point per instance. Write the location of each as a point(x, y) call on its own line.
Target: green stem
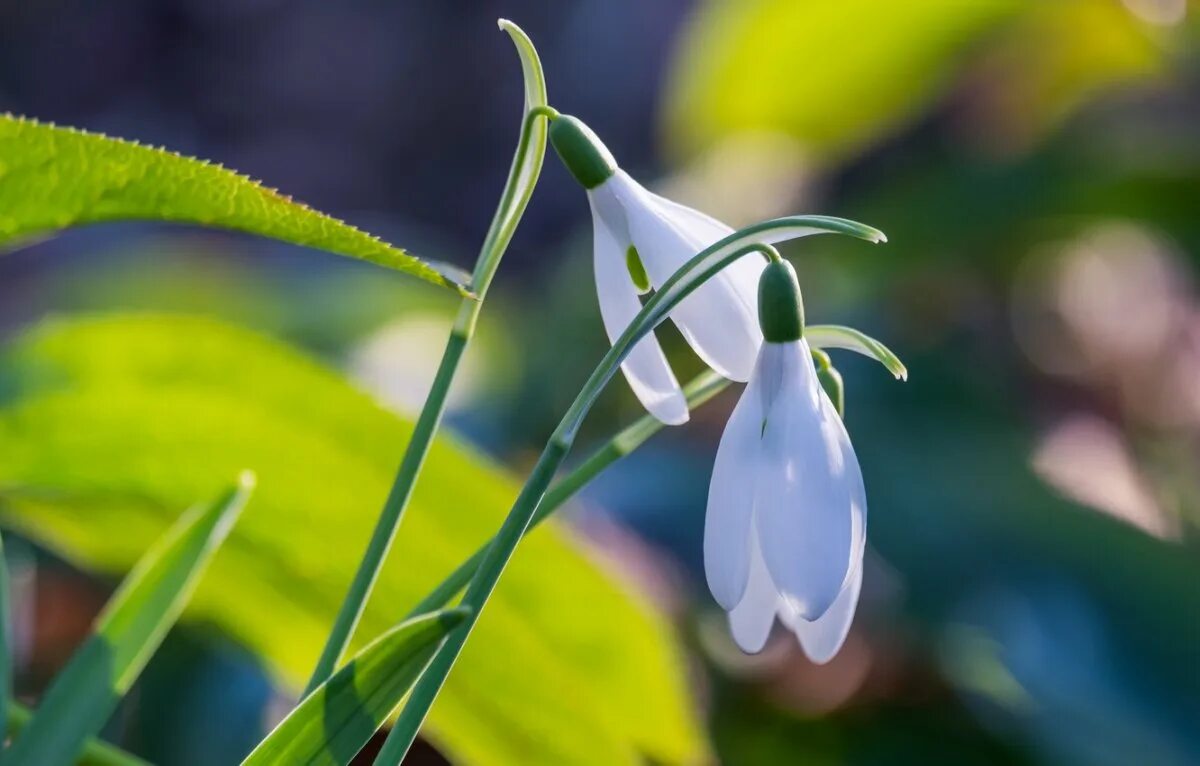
point(519, 518)
point(94, 753)
point(495, 558)
point(706, 264)
point(390, 517)
point(517, 191)
point(705, 386)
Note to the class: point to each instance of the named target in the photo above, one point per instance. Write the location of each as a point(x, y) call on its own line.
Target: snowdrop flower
point(787, 512)
point(641, 239)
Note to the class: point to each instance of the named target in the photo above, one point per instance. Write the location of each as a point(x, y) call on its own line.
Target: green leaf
point(94, 752)
point(849, 339)
point(127, 633)
point(334, 722)
point(833, 75)
point(106, 424)
point(5, 637)
point(53, 178)
point(1060, 56)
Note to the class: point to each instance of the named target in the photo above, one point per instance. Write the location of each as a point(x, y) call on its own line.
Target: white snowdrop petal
point(727, 521)
point(743, 273)
point(832, 422)
point(646, 366)
point(804, 488)
point(698, 225)
point(822, 638)
point(751, 620)
point(720, 319)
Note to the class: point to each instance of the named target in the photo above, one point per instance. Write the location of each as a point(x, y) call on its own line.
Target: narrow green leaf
point(333, 723)
point(5, 637)
point(53, 178)
point(95, 752)
point(849, 339)
point(127, 632)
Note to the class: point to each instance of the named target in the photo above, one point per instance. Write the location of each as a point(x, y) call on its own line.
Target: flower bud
point(780, 307)
point(831, 381)
point(582, 151)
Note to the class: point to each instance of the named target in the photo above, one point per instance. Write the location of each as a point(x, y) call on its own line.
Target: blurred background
point(1032, 591)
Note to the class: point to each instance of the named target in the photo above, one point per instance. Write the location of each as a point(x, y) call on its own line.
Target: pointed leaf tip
point(453, 617)
point(836, 336)
point(334, 722)
point(128, 631)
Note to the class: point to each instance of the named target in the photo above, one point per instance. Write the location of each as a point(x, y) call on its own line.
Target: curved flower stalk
point(700, 390)
point(640, 240)
point(705, 265)
point(786, 523)
point(522, 177)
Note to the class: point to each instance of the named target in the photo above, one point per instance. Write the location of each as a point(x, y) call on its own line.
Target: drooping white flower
point(640, 240)
point(785, 528)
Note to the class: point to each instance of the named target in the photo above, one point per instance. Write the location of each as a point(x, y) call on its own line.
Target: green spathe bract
point(780, 307)
point(127, 633)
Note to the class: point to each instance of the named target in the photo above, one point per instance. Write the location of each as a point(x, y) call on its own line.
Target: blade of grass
point(6, 665)
point(522, 177)
point(94, 753)
point(127, 633)
point(333, 723)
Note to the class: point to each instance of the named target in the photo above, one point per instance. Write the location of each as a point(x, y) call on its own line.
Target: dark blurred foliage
point(1033, 592)
point(360, 109)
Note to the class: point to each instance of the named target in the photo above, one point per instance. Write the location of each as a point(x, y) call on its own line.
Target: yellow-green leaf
point(834, 75)
point(53, 178)
point(109, 423)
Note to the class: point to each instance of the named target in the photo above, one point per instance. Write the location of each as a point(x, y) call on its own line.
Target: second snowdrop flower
point(787, 512)
point(641, 239)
